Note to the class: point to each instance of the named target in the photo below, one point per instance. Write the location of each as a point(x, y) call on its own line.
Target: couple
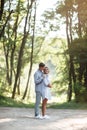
point(42, 89)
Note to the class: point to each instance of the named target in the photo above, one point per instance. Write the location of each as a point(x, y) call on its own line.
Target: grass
point(68, 105)
point(9, 102)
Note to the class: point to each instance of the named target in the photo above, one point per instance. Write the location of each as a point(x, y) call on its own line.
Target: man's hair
point(41, 64)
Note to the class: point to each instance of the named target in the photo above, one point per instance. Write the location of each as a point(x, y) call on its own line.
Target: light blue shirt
point(38, 80)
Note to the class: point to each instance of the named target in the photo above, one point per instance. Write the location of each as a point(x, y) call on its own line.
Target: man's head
point(41, 66)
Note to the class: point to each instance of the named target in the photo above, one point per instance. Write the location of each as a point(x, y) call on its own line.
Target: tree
point(1, 8)
point(22, 48)
point(75, 9)
point(31, 57)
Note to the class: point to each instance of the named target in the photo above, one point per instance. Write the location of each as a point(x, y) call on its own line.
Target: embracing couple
point(42, 90)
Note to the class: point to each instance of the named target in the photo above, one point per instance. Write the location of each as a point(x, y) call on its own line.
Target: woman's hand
point(49, 85)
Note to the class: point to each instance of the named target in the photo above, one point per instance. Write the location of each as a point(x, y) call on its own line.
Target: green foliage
point(83, 95)
point(3, 82)
point(78, 49)
point(4, 87)
point(80, 93)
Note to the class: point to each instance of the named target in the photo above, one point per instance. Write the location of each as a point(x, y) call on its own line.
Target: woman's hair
point(46, 67)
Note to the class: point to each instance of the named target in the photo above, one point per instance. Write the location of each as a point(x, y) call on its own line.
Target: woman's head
point(46, 70)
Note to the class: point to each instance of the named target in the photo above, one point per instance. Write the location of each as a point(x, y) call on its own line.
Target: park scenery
point(53, 32)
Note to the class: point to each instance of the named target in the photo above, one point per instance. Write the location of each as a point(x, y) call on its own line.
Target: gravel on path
point(60, 119)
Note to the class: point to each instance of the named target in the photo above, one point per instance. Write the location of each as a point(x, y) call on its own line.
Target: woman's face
point(46, 70)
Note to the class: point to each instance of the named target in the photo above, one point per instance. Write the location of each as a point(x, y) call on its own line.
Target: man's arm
point(37, 78)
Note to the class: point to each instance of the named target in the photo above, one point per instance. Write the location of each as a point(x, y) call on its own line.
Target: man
point(38, 79)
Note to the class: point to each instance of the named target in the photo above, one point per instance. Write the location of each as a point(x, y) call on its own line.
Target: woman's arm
point(46, 81)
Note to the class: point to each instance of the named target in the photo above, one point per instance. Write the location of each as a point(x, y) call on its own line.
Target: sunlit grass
point(68, 105)
point(60, 102)
point(56, 103)
point(9, 102)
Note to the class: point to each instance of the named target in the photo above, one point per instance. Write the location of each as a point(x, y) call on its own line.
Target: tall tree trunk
point(70, 85)
point(13, 47)
point(79, 21)
point(71, 56)
point(1, 8)
point(72, 77)
point(18, 86)
point(20, 58)
point(70, 73)
point(31, 58)
point(3, 28)
point(19, 65)
point(85, 77)
point(6, 53)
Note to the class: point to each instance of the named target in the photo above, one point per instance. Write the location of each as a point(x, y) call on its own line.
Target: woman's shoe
point(45, 117)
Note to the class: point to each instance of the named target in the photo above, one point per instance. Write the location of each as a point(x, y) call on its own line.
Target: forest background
point(58, 38)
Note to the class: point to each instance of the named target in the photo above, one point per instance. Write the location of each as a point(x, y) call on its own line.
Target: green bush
point(80, 93)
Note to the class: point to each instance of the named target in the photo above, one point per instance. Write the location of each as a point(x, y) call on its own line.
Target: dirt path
point(23, 119)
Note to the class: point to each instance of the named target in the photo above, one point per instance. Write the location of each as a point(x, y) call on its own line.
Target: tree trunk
point(13, 47)
point(1, 8)
point(19, 65)
point(85, 76)
point(68, 41)
point(79, 21)
point(31, 58)
point(18, 86)
point(70, 84)
point(3, 28)
point(6, 53)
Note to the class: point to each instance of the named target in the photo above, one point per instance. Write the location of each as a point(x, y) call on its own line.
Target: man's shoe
point(38, 117)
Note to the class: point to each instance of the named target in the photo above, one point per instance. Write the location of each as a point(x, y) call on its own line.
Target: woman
point(47, 93)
